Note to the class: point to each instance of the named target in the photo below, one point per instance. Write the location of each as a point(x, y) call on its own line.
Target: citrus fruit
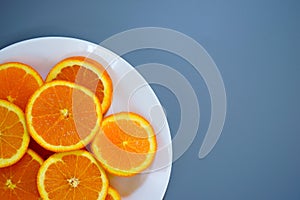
point(72, 175)
point(86, 72)
point(63, 116)
point(18, 181)
point(125, 145)
point(112, 194)
point(18, 82)
point(14, 138)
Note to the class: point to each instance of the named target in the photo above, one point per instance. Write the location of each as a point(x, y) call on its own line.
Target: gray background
point(256, 46)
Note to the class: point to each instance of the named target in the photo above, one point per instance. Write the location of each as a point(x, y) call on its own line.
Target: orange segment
point(112, 194)
point(19, 180)
point(18, 82)
point(126, 144)
point(14, 138)
point(63, 116)
point(86, 72)
point(72, 175)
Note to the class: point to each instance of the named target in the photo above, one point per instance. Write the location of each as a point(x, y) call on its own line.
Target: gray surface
point(256, 46)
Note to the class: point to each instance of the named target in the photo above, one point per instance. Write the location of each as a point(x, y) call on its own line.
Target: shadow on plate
point(127, 185)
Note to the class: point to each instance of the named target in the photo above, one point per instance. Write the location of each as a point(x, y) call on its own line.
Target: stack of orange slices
point(56, 120)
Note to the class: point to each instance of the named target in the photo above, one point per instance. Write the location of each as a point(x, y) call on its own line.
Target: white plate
point(131, 93)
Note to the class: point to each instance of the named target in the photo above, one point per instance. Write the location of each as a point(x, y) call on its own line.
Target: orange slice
point(72, 175)
point(19, 180)
point(126, 144)
point(112, 194)
point(86, 72)
point(14, 138)
point(63, 116)
point(18, 82)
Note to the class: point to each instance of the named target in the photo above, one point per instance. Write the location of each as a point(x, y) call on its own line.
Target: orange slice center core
point(65, 113)
point(9, 184)
point(74, 182)
point(125, 143)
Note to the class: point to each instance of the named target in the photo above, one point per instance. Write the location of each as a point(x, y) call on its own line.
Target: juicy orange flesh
point(83, 76)
point(120, 145)
point(19, 180)
point(11, 133)
point(73, 167)
point(17, 86)
point(63, 116)
point(109, 197)
point(127, 135)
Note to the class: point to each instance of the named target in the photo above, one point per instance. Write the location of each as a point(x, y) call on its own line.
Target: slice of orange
point(72, 175)
point(126, 144)
point(63, 116)
point(14, 138)
point(18, 82)
point(88, 73)
point(112, 194)
point(19, 180)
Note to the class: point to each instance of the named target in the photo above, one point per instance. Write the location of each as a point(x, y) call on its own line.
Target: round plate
point(131, 93)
